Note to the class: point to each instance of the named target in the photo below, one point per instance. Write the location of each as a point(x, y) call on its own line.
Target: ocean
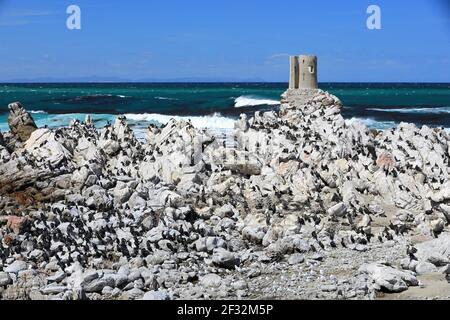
point(217, 105)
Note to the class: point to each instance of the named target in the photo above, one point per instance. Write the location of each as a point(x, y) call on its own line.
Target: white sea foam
point(38, 112)
point(372, 123)
point(215, 121)
point(436, 110)
point(111, 95)
point(250, 101)
point(101, 95)
point(165, 98)
point(61, 120)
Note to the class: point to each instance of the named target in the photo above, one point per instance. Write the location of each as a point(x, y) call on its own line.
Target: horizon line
point(217, 82)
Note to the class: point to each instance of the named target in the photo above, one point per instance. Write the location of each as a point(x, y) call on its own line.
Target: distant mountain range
point(118, 79)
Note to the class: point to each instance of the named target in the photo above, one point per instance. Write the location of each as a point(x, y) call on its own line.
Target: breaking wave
point(214, 121)
point(372, 123)
point(251, 101)
point(437, 110)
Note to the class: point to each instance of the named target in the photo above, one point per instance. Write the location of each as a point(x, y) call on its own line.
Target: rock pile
point(96, 214)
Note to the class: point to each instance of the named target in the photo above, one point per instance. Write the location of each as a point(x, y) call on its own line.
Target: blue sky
point(224, 39)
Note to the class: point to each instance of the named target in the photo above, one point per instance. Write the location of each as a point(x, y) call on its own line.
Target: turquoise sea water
point(216, 105)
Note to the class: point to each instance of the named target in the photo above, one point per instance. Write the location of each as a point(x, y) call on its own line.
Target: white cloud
point(279, 56)
point(12, 23)
point(29, 13)
point(23, 17)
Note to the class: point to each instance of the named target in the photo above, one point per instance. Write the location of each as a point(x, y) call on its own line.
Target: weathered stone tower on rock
point(303, 73)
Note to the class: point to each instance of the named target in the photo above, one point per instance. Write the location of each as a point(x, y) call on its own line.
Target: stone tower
point(308, 72)
point(303, 73)
point(295, 72)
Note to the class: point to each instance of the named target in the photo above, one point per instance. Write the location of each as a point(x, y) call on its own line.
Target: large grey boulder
point(20, 122)
point(5, 279)
point(45, 147)
point(156, 295)
point(16, 267)
point(40, 158)
point(389, 278)
point(211, 280)
point(436, 251)
point(98, 284)
point(225, 259)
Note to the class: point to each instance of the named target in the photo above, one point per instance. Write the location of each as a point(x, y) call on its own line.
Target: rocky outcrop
point(184, 215)
point(20, 122)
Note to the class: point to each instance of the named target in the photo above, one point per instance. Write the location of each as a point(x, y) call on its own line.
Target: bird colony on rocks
point(304, 205)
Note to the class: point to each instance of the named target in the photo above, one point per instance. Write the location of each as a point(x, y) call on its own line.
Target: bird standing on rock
point(411, 251)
